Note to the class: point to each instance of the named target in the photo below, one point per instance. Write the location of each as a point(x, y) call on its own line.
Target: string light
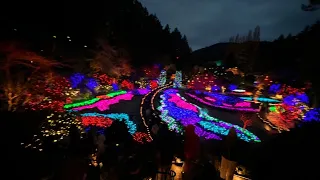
point(223, 105)
point(269, 123)
point(104, 104)
point(173, 112)
point(94, 100)
point(141, 137)
point(162, 78)
point(177, 83)
point(116, 116)
point(57, 126)
point(51, 94)
point(140, 91)
point(126, 84)
point(96, 121)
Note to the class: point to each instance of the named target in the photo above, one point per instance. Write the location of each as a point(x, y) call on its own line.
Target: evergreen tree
point(256, 34)
point(281, 37)
point(237, 40)
point(250, 38)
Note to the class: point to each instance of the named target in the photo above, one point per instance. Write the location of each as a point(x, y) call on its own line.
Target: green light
point(91, 101)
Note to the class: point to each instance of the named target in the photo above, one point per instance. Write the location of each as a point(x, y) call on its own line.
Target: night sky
point(206, 22)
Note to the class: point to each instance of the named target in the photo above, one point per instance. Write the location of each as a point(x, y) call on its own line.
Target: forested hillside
point(71, 27)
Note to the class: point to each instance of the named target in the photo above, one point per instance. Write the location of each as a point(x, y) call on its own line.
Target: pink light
point(181, 103)
point(223, 107)
point(243, 104)
point(104, 104)
point(227, 105)
point(210, 99)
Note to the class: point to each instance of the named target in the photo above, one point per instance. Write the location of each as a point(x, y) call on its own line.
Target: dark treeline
point(285, 56)
point(124, 24)
point(251, 36)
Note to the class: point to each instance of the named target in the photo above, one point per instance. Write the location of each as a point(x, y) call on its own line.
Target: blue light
point(215, 88)
point(117, 116)
point(275, 88)
point(91, 83)
point(312, 115)
point(115, 86)
point(76, 79)
point(232, 87)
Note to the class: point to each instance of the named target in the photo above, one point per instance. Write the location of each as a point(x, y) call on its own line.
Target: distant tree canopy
point(69, 30)
point(251, 36)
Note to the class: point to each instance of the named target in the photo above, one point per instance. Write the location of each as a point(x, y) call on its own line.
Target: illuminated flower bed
point(261, 99)
point(102, 121)
point(104, 104)
point(223, 101)
point(101, 102)
point(177, 112)
point(141, 91)
point(105, 120)
point(92, 101)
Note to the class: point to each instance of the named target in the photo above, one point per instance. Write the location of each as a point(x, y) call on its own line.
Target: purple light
point(205, 125)
point(207, 135)
point(141, 91)
point(104, 104)
point(223, 107)
point(182, 104)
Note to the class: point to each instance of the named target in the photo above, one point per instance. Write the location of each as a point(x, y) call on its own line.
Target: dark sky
point(206, 22)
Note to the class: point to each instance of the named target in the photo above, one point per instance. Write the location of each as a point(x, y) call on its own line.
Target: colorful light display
point(91, 84)
point(76, 79)
point(116, 116)
point(312, 115)
point(261, 99)
point(97, 121)
point(56, 126)
point(236, 107)
point(104, 104)
point(232, 87)
point(127, 85)
point(50, 93)
point(105, 121)
point(162, 78)
point(141, 137)
point(94, 100)
point(177, 83)
point(140, 91)
point(115, 86)
point(184, 115)
point(274, 88)
point(153, 84)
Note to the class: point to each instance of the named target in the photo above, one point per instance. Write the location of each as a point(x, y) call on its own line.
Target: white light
point(85, 46)
point(68, 37)
point(239, 90)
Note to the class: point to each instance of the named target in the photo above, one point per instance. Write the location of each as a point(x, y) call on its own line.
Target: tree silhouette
point(246, 119)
